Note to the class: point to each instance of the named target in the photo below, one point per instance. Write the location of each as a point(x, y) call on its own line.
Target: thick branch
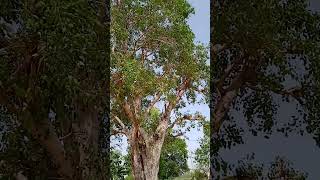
point(127, 110)
point(224, 102)
point(137, 106)
point(180, 91)
point(144, 135)
point(295, 92)
point(124, 129)
point(47, 137)
point(118, 131)
point(217, 48)
point(221, 109)
point(20, 176)
point(186, 118)
point(164, 120)
point(227, 72)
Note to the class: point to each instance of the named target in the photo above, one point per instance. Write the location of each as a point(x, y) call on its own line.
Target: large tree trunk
point(83, 146)
point(87, 128)
point(145, 156)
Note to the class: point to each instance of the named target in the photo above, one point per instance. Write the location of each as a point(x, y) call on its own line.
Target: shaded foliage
point(265, 54)
point(53, 73)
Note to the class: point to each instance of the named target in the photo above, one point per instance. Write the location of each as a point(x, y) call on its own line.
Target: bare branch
point(179, 134)
point(124, 129)
point(178, 121)
point(295, 92)
point(63, 137)
point(180, 91)
point(127, 109)
point(117, 131)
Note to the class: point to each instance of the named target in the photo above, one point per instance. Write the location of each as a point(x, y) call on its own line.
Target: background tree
point(119, 164)
point(154, 62)
point(173, 158)
point(202, 154)
point(53, 84)
point(264, 53)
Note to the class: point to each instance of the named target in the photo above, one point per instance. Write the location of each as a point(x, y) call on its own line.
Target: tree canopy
point(264, 54)
point(154, 58)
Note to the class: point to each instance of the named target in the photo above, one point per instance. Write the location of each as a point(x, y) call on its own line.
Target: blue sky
point(200, 21)
point(200, 25)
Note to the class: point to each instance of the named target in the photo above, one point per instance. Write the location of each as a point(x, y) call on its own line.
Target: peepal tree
point(156, 69)
point(264, 53)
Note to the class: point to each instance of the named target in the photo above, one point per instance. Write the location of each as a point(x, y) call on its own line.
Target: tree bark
point(145, 155)
point(221, 109)
point(45, 134)
point(87, 127)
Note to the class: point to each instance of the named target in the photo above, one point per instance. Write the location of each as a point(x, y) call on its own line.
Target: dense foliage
point(173, 159)
point(202, 154)
point(265, 54)
point(54, 69)
point(119, 165)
